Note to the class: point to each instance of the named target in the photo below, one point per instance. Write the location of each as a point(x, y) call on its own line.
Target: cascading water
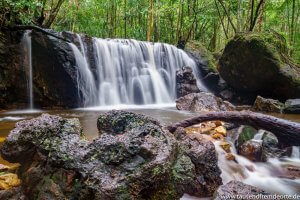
point(85, 79)
point(26, 42)
point(268, 176)
point(130, 72)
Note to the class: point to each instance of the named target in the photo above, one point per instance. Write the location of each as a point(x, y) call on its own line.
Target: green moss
point(204, 53)
point(270, 43)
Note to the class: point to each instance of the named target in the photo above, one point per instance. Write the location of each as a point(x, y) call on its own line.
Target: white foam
point(26, 111)
point(9, 118)
point(127, 107)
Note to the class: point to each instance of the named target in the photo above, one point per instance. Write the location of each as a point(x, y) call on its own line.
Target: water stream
point(26, 41)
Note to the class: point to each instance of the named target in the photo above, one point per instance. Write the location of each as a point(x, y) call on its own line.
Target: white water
point(129, 72)
point(267, 176)
point(11, 118)
point(26, 41)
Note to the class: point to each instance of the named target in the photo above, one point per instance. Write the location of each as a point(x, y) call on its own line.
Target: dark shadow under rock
point(134, 157)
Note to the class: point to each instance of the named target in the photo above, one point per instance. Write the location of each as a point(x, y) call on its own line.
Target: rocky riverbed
point(131, 158)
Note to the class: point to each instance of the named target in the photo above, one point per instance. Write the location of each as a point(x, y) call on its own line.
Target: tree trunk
point(221, 19)
point(125, 19)
point(292, 23)
point(257, 11)
point(261, 17)
point(150, 22)
point(287, 132)
point(228, 16)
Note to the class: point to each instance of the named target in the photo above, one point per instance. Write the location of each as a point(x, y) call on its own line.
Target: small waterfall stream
point(129, 72)
point(26, 42)
point(269, 176)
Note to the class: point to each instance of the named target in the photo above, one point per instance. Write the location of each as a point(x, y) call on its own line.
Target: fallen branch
point(36, 28)
point(287, 132)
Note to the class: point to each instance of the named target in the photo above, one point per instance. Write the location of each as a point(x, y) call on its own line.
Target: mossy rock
point(259, 63)
point(207, 58)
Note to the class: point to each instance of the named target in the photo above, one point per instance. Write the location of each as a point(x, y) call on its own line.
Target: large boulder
point(199, 102)
point(134, 157)
point(259, 63)
point(238, 190)
point(186, 82)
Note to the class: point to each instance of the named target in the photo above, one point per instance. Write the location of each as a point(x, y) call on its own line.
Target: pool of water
point(87, 117)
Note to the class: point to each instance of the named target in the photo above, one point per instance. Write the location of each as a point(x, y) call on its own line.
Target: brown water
point(88, 118)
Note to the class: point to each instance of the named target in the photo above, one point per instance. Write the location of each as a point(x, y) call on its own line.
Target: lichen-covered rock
point(203, 154)
point(237, 190)
point(199, 102)
point(259, 63)
point(268, 105)
point(134, 157)
point(185, 82)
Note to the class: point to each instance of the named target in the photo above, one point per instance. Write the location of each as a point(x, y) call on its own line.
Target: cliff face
point(54, 73)
point(12, 73)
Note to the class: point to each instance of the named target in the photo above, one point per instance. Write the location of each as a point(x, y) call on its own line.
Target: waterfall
point(26, 42)
point(129, 72)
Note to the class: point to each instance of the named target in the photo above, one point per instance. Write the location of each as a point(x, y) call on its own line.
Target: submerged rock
point(268, 105)
point(237, 190)
point(185, 82)
point(134, 157)
point(199, 102)
point(259, 63)
point(292, 106)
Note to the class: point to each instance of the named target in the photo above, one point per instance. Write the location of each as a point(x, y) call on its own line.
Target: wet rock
point(134, 157)
point(204, 58)
point(226, 95)
point(221, 130)
point(203, 154)
point(292, 106)
point(252, 150)
point(11, 71)
point(259, 63)
point(13, 194)
point(54, 86)
point(203, 102)
point(8, 181)
point(185, 82)
point(246, 133)
point(271, 149)
point(230, 157)
point(12, 168)
point(267, 105)
point(234, 188)
point(226, 146)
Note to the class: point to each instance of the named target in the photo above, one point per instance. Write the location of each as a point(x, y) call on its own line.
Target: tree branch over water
point(39, 29)
point(287, 132)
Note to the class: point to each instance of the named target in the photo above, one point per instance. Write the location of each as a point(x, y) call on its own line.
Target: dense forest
point(212, 22)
